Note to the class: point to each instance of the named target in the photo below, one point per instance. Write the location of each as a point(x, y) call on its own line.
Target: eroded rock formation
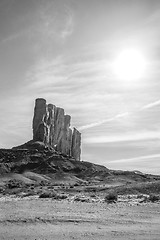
point(76, 144)
point(52, 127)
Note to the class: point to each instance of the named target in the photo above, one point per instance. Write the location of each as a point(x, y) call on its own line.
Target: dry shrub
point(81, 199)
point(61, 196)
point(111, 197)
point(53, 195)
point(14, 184)
point(154, 198)
point(48, 194)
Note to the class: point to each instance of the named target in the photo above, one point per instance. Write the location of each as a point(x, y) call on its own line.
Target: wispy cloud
point(140, 158)
point(103, 121)
point(69, 26)
point(99, 123)
point(56, 20)
point(150, 105)
point(146, 163)
point(14, 36)
point(131, 136)
point(49, 21)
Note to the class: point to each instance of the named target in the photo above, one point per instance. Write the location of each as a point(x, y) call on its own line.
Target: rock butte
point(52, 127)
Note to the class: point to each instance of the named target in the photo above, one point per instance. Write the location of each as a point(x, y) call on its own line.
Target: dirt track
point(49, 219)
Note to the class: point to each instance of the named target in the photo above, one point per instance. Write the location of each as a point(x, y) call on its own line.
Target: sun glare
point(129, 65)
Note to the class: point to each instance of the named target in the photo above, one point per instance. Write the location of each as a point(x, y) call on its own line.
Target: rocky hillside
point(52, 166)
point(36, 157)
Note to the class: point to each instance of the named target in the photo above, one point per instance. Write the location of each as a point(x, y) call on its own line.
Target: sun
point(129, 65)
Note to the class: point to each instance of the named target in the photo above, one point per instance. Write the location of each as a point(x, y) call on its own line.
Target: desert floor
point(44, 219)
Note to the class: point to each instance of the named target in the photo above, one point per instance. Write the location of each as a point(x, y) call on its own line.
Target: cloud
point(150, 105)
point(103, 121)
point(99, 123)
point(14, 36)
point(131, 136)
point(63, 72)
point(68, 29)
point(144, 163)
point(56, 20)
point(46, 73)
point(42, 23)
point(140, 158)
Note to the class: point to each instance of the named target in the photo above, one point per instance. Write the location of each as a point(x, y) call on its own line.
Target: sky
point(63, 51)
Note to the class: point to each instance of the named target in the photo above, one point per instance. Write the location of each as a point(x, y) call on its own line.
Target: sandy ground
point(46, 219)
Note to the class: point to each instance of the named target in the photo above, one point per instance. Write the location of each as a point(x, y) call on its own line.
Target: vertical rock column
point(66, 141)
point(76, 144)
point(51, 124)
point(40, 129)
point(58, 128)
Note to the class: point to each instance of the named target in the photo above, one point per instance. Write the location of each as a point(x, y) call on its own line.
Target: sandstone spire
point(39, 121)
point(52, 127)
point(76, 144)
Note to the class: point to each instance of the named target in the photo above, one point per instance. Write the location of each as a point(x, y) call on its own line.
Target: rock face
point(39, 121)
point(52, 127)
point(76, 144)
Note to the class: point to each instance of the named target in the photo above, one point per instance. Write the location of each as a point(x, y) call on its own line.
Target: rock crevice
point(52, 127)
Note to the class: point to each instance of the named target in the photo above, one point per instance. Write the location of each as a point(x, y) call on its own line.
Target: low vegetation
point(14, 184)
point(53, 195)
point(154, 198)
point(111, 197)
